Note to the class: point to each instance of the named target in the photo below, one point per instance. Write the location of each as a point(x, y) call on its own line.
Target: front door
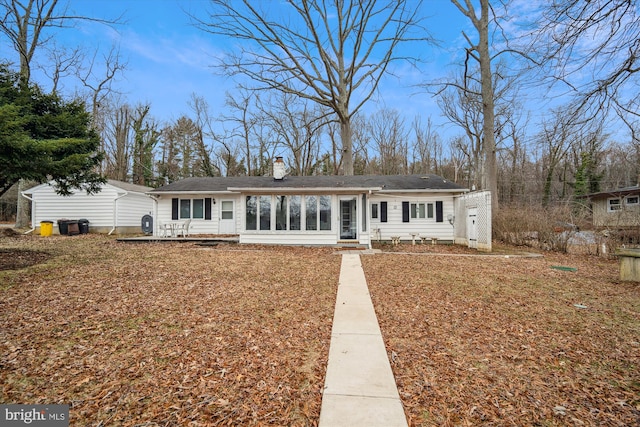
point(348, 219)
point(227, 217)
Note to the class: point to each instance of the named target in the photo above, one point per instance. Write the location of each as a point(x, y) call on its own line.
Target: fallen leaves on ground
point(510, 341)
point(168, 334)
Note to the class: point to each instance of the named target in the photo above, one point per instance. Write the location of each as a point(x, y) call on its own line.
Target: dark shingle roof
point(365, 182)
point(616, 193)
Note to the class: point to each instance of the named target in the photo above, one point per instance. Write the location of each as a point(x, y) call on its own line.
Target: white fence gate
point(472, 221)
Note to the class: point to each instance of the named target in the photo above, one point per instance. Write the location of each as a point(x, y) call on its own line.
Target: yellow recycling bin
point(46, 228)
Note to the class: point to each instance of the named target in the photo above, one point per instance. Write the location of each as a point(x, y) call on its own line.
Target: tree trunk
point(347, 147)
point(22, 213)
point(490, 164)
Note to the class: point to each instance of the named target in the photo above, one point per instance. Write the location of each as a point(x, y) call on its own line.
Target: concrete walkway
point(359, 388)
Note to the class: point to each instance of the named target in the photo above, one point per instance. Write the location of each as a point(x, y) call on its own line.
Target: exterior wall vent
point(279, 171)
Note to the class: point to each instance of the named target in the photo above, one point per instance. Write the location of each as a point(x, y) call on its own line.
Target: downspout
point(115, 213)
point(155, 213)
point(33, 213)
point(368, 219)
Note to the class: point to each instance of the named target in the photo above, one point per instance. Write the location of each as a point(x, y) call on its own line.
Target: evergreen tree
point(44, 138)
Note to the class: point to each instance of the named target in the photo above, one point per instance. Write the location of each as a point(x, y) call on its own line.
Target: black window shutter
point(207, 208)
point(383, 211)
point(439, 212)
point(174, 208)
point(405, 211)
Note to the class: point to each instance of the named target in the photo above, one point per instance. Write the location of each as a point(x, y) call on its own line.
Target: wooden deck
point(189, 239)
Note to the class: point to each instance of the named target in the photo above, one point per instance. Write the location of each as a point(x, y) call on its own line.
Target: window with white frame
point(614, 204)
point(418, 210)
point(265, 212)
point(632, 200)
point(295, 212)
point(251, 213)
point(191, 208)
point(288, 213)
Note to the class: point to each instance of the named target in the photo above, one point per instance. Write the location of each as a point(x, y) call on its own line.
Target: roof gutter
point(169, 193)
point(304, 189)
point(427, 190)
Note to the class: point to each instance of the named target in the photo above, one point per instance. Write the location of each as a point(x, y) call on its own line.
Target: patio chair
point(165, 229)
point(184, 230)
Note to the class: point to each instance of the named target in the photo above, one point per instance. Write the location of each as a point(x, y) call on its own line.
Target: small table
point(174, 227)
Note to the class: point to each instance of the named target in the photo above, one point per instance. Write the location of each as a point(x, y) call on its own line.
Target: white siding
point(287, 238)
point(426, 227)
point(198, 226)
point(97, 208)
point(131, 208)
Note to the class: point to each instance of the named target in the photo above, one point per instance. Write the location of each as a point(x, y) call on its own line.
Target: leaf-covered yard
point(175, 334)
point(168, 334)
point(510, 341)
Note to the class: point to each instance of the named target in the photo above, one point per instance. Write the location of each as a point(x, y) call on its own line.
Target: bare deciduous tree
point(63, 62)
point(24, 23)
point(243, 122)
point(463, 107)
point(298, 128)
point(424, 147)
point(117, 141)
point(390, 140)
point(594, 48)
point(145, 137)
point(332, 52)
point(204, 124)
point(479, 52)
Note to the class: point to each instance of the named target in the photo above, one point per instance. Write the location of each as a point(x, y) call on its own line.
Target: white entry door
point(227, 217)
point(472, 227)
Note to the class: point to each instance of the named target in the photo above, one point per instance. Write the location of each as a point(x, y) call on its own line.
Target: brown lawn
point(510, 341)
point(166, 334)
point(176, 334)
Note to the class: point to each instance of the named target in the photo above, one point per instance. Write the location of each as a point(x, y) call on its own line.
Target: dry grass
point(510, 341)
point(175, 334)
point(168, 334)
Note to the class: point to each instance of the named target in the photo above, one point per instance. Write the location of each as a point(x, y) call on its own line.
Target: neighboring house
point(117, 208)
point(312, 210)
point(616, 209)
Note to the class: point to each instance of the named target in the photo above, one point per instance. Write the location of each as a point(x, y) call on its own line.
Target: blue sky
point(169, 59)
